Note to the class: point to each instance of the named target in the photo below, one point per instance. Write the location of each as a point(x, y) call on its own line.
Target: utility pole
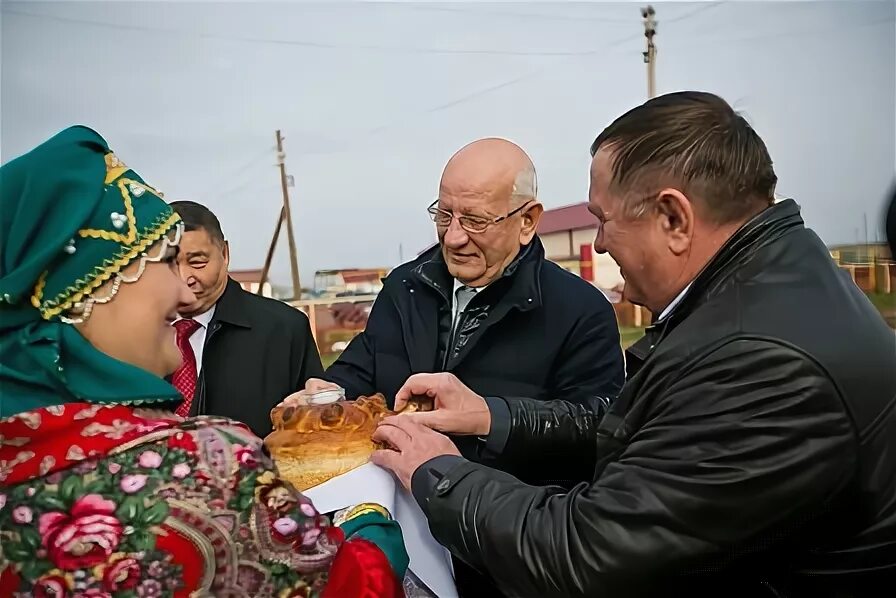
point(647, 13)
point(285, 214)
point(270, 256)
point(293, 256)
point(650, 54)
point(865, 220)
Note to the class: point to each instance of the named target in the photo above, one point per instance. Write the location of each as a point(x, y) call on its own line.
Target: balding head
point(491, 166)
point(491, 186)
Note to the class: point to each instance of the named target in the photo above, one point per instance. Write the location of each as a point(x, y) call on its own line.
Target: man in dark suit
point(242, 354)
point(752, 450)
point(486, 305)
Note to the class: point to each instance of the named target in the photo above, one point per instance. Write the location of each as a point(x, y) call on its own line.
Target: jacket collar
point(520, 280)
point(765, 228)
point(231, 308)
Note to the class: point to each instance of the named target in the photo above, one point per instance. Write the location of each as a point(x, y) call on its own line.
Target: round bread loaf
point(312, 443)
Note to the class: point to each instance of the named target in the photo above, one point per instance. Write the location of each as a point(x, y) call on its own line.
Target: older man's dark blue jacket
point(538, 331)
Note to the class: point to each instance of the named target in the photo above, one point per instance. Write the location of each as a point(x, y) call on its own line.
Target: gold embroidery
point(111, 235)
point(83, 287)
point(359, 510)
point(114, 167)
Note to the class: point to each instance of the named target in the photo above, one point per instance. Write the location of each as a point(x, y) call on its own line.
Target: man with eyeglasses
point(752, 450)
point(487, 306)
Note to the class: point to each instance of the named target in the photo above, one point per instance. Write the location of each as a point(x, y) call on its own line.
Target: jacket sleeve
point(739, 452)
point(304, 353)
point(526, 428)
point(587, 375)
point(355, 369)
point(591, 363)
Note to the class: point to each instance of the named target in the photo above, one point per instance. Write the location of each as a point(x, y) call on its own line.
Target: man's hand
point(412, 446)
point(457, 409)
point(302, 397)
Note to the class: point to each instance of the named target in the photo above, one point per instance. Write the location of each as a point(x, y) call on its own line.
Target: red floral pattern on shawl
point(109, 500)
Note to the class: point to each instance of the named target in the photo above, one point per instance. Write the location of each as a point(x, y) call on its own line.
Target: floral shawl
point(102, 501)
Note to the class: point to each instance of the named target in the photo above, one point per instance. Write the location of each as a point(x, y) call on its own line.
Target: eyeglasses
point(471, 224)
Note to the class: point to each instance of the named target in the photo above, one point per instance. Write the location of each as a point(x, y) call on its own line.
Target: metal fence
point(335, 321)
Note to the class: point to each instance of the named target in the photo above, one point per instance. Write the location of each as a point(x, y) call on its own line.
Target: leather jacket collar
point(765, 228)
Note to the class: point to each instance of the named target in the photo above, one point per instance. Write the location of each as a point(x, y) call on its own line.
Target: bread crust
point(313, 443)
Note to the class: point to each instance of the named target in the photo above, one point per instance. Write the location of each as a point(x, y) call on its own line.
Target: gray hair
point(525, 185)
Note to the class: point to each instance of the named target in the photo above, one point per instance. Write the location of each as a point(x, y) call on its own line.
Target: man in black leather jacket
point(752, 451)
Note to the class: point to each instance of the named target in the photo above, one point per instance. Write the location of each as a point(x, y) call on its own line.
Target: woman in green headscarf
point(103, 491)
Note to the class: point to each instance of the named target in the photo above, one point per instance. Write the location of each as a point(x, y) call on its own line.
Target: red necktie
point(184, 379)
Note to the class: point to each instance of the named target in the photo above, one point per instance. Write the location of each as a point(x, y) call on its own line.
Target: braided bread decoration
point(312, 443)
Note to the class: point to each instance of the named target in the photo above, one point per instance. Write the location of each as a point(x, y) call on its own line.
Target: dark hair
point(197, 216)
point(696, 141)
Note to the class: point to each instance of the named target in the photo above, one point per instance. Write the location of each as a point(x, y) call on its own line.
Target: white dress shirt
point(197, 339)
point(455, 303)
point(674, 303)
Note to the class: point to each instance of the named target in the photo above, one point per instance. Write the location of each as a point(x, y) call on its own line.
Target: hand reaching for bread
point(312, 387)
point(455, 408)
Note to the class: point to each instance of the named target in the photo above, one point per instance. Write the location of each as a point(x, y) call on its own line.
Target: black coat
point(752, 451)
point(538, 331)
point(257, 351)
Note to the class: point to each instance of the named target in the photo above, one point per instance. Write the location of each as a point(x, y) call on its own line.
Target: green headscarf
point(72, 216)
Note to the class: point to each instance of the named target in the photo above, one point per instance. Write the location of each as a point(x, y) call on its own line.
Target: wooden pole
point(650, 54)
point(270, 256)
point(648, 14)
point(293, 254)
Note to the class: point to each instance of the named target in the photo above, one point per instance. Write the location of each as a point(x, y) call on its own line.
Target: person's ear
point(226, 251)
point(531, 215)
point(675, 218)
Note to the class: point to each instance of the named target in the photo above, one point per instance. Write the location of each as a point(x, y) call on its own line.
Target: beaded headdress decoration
point(131, 223)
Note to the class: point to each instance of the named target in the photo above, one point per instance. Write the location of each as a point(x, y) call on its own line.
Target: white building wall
point(252, 287)
point(556, 245)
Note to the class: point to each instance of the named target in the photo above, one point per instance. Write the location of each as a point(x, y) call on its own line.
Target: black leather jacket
point(752, 451)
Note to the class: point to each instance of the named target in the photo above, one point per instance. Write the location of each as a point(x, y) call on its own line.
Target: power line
point(341, 46)
point(702, 8)
point(237, 178)
point(474, 95)
point(303, 43)
point(789, 34)
point(515, 15)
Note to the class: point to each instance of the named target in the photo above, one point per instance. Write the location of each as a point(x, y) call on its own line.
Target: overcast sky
point(374, 98)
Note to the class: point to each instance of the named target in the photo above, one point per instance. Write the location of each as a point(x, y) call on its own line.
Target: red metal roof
point(574, 217)
point(246, 275)
point(363, 275)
